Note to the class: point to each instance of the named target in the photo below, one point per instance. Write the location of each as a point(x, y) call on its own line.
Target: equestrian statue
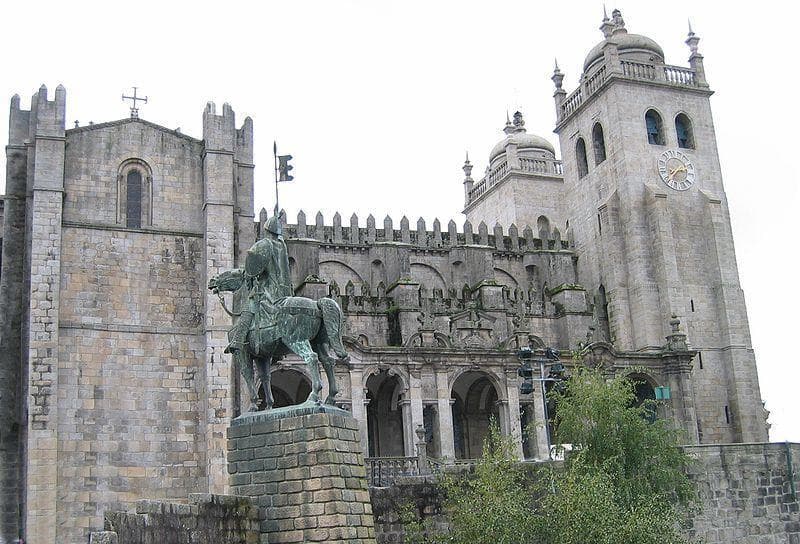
point(273, 322)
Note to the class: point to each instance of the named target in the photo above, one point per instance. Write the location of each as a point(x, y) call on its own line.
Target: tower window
point(599, 143)
point(655, 130)
point(683, 129)
point(580, 156)
point(133, 213)
point(134, 194)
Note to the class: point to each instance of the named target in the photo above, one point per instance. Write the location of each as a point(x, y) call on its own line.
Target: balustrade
point(384, 471)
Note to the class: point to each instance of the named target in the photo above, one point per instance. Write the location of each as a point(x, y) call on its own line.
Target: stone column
point(358, 406)
point(408, 428)
point(415, 401)
point(46, 185)
point(445, 412)
point(514, 423)
point(539, 449)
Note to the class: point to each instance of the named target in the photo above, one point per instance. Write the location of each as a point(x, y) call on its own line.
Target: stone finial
point(676, 340)
point(509, 128)
point(319, 229)
point(527, 234)
point(301, 224)
point(337, 227)
point(692, 40)
point(607, 27)
point(467, 170)
point(263, 215)
point(556, 239)
point(371, 233)
point(557, 77)
point(422, 235)
point(519, 121)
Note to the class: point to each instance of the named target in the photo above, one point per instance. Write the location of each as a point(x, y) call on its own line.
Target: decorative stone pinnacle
point(509, 128)
point(557, 77)
point(618, 22)
point(675, 323)
point(607, 27)
point(467, 169)
point(692, 40)
point(519, 122)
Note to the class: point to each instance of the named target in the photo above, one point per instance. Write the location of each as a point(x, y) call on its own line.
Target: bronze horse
point(311, 329)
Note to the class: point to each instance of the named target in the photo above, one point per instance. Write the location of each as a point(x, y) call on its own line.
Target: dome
point(523, 141)
point(626, 43)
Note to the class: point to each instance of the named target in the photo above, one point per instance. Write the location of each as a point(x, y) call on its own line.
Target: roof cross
point(134, 98)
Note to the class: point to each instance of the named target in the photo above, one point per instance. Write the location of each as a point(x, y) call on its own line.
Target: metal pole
point(275, 158)
point(544, 404)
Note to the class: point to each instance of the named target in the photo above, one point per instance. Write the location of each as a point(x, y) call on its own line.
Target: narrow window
point(655, 132)
point(580, 156)
point(700, 359)
point(683, 129)
point(133, 209)
point(599, 224)
point(691, 303)
point(599, 143)
point(727, 415)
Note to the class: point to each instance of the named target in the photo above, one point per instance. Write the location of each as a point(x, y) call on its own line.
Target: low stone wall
point(205, 519)
point(745, 492)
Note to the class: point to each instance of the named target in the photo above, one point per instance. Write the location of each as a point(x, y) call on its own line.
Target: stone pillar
point(445, 411)
point(12, 299)
point(514, 423)
point(304, 466)
point(219, 135)
point(408, 428)
point(358, 405)
point(539, 449)
point(44, 259)
point(415, 404)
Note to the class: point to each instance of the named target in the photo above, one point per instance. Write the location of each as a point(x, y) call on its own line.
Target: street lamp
point(549, 361)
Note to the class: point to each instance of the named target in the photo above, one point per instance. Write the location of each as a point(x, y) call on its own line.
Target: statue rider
point(268, 283)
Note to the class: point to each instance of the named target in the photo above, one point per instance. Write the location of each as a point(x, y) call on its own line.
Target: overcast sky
point(378, 102)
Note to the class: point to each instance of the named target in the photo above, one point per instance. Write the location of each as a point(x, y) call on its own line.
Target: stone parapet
point(206, 518)
point(304, 466)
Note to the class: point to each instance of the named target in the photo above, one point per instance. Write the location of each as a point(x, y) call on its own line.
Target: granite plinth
point(304, 466)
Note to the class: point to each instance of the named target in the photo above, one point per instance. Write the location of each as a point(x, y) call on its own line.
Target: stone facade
point(114, 382)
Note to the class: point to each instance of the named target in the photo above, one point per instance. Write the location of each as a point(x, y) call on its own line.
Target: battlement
point(499, 239)
point(219, 131)
point(244, 141)
point(48, 116)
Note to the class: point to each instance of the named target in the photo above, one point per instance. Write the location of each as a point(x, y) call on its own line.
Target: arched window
point(133, 204)
point(599, 143)
point(580, 157)
point(655, 128)
point(683, 130)
point(134, 194)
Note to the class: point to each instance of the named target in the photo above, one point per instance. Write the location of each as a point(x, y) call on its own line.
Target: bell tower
point(646, 203)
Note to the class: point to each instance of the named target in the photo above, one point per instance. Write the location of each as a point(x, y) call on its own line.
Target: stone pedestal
point(304, 466)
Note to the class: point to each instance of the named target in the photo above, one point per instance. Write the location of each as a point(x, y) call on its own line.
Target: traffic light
point(284, 167)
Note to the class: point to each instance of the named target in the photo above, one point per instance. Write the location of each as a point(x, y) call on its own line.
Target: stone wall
point(205, 519)
point(745, 493)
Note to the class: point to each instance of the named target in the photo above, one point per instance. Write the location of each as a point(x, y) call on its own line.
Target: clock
point(676, 170)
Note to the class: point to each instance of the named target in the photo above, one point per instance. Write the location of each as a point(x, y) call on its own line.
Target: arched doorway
point(289, 386)
point(385, 415)
point(474, 407)
point(645, 396)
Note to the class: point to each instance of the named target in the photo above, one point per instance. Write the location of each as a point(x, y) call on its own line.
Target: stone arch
point(475, 403)
point(340, 273)
point(385, 392)
point(289, 386)
point(428, 276)
point(644, 388)
point(580, 158)
point(504, 278)
point(135, 209)
point(654, 127)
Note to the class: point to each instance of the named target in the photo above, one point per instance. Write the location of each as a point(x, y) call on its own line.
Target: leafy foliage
point(625, 482)
point(493, 505)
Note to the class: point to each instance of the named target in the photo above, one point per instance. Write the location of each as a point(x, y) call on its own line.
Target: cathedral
point(114, 384)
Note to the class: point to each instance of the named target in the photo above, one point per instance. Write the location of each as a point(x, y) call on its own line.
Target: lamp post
point(550, 359)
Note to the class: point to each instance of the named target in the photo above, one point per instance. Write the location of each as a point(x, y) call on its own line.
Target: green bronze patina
point(274, 323)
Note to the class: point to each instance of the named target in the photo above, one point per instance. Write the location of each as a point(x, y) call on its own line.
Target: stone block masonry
point(221, 519)
point(304, 466)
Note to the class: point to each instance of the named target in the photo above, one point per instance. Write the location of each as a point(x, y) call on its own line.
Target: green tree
point(625, 482)
point(493, 505)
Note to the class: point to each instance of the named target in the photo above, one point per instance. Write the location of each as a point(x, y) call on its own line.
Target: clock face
point(676, 170)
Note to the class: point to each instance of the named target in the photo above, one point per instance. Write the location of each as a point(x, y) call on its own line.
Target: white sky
point(378, 101)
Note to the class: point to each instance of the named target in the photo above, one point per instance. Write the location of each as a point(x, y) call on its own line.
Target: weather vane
point(134, 98)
